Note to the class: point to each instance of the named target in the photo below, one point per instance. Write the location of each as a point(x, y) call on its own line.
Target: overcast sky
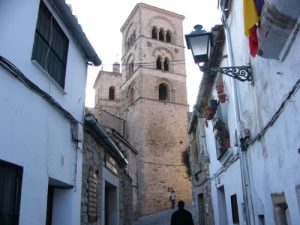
point(101, 21)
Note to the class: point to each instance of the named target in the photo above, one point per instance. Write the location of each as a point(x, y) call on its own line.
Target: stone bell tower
point(155, 103)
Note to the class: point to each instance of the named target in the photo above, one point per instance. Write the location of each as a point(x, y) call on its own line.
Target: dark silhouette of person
point(181, 216)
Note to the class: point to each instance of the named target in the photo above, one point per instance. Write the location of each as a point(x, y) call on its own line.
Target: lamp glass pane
point(199, 45)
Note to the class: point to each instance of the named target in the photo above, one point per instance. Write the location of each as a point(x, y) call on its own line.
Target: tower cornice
point(152, 8)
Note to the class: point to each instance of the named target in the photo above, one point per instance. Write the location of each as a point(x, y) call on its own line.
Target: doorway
point(222, 206)
point(201, 209)
point(111, 204)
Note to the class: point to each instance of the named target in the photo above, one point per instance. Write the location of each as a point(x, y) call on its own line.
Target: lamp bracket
point(241, 73)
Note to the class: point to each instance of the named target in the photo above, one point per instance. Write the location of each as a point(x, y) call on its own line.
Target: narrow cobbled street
point(161, 218)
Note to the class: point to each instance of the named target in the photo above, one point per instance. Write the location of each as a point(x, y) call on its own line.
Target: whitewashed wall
point(33, 134)
point(273, 160)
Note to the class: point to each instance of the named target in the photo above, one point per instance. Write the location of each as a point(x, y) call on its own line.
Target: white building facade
point(43, 68)
point(255, 181)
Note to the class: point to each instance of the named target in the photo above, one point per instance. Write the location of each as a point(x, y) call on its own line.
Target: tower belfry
point(155, 103)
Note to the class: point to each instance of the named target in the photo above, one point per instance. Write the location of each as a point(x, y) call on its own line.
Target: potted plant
point(220, 91)
point(222, 97)
point(210, 109)
point(222, 134)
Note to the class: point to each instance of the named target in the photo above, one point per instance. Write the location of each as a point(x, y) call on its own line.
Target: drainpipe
point(242, 154)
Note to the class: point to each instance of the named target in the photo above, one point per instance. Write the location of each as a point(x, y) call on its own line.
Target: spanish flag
point(251, 18)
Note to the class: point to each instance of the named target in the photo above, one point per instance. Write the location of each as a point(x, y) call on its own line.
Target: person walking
point(181, 216)
point(173, 199)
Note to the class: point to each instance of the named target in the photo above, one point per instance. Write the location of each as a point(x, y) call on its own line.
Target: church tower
point(155, 103)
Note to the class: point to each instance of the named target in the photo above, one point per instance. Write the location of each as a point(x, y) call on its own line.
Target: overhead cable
point(5, 63)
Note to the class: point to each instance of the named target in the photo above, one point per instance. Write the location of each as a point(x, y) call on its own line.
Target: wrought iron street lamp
point(200, 42)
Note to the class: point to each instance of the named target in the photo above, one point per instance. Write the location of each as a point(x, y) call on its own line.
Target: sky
point(101, 21)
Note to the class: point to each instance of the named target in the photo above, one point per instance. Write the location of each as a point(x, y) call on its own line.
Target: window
point(221, 200)
point(158, 63)
point(50, 47)
point(131, 95)
point(128, 45)
point(168, 36)
point(130, 41)
point(298, 195)
point(154, 33)
point(221, 130)
point(234, 210)
point(281, 209)
point(201, 209)
point(50, 197)
point(130, 69)
point(10, 193)
point(163, 92)
point(111, 93)
point(161, 35)
point(166, 64)
point(261, 219)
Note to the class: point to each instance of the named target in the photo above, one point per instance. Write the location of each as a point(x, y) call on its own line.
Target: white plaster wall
point(230, 178)
point(18, 23)
point(33, 134)
point(231, 181)
point(274, 159)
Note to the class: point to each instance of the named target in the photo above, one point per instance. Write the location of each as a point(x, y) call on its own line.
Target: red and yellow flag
point(251, 16)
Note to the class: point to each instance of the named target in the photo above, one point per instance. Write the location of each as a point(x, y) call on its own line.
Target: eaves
point(71, 23)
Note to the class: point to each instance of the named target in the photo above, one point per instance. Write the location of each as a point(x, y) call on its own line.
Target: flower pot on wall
point(208, 108)
point(226, 143)
point(222, 134)
point(209, 113)
point(222, 97)
point(213, 103)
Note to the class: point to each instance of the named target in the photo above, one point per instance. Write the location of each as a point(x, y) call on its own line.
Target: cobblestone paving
point(161, 218)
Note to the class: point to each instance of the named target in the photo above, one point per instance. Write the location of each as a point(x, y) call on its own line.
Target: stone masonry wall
point(163, 137)
point(93, 156)
point(93, 160)
point(126, 211)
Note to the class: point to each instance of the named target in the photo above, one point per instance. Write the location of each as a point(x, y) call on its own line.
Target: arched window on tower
point(130, 69)
point(154, 33)
point(158, 63)
point(128, 44)
point(161, 35)
point(168, 36)
point(166, 64)
point(163, 92)
point(131, 95)
point(111, 94)
point(131, 41)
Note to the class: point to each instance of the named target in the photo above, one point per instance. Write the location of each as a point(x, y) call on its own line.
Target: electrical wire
point(5, 63)
point(276, 115)
point(258, 136)
point(220, 170)
point(148, 63)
